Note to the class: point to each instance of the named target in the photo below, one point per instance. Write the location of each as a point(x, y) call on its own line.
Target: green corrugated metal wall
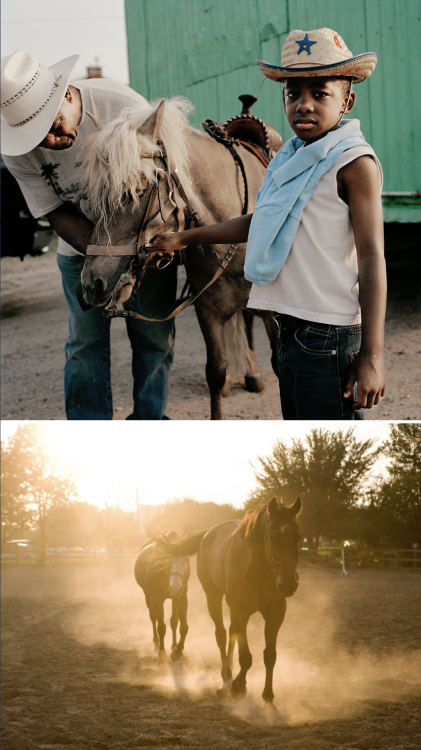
point(205, 50)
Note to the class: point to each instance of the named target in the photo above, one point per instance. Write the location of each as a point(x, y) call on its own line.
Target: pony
point(122, 165)
point(253, 563)
point(162, 576)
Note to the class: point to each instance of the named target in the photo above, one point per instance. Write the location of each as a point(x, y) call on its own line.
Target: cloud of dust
point(328, 663)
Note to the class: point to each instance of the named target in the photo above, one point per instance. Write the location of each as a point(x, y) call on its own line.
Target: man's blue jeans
point(313, 362)
point(87, 376)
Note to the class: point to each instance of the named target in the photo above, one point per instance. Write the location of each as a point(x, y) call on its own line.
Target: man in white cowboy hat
point(315, 241)
point(44, 125)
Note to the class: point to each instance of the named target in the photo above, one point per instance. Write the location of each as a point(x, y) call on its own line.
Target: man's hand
point(368, 372)
point(72, 226)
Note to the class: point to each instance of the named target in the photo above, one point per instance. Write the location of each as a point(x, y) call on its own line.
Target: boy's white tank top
point(319, 281)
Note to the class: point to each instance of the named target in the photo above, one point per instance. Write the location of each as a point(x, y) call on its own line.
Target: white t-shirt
point(319, 280)
point(48, 178)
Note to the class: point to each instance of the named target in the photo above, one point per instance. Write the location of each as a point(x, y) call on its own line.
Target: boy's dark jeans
point(313, 361)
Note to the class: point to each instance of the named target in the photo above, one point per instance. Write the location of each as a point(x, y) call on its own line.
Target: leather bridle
point(158, 213)
point(277, 563)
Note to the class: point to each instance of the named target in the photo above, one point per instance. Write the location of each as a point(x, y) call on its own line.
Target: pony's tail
point(240, 357)
point(188, 547)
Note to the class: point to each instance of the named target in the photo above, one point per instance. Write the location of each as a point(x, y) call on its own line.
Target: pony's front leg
point(273, 621)
point(216, 362)
point(238, 631)
point(181, 607)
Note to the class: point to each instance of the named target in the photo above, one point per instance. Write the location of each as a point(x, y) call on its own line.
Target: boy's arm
point(360, 181)
point(231, 231)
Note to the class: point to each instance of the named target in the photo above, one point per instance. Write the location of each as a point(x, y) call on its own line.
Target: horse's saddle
point(252, 132)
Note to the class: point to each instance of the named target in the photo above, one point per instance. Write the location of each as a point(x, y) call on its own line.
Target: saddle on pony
point(256, 135)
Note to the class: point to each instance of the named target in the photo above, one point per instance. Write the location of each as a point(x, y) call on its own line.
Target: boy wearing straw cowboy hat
point(315, 241)
point(41, 114)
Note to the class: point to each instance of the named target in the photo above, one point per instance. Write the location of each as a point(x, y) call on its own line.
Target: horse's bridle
point(277, 563)
point(157, 215)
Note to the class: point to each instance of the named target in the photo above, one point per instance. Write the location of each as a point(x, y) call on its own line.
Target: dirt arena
point(35, 328)
point(79, 671)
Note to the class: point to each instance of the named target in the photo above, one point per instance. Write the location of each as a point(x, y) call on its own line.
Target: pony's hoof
point(176, 655)
point(254, 384)
point(162, 656)
point(226, 685)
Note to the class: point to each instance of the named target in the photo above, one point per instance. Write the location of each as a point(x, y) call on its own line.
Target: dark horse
point(252, 562)
point(162, 576)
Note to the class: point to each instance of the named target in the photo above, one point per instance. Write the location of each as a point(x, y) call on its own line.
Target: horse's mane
point(248, 525)
point(118, 160)
point(250, 522)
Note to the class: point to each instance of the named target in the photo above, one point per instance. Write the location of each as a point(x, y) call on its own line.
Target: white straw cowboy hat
point(31, 96)
point(321, 52)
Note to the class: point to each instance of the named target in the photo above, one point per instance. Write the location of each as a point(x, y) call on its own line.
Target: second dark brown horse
point(253, 563)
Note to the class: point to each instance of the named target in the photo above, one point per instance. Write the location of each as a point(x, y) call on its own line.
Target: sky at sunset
point(200, 460)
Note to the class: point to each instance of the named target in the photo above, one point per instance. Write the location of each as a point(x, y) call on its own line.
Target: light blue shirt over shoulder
point(290, 181)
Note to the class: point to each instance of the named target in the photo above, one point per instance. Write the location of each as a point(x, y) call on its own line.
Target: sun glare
point(125, 463)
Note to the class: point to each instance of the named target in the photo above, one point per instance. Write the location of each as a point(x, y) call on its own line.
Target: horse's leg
point(174, 623)
point(181, 607)
point(238, 630)
point(253, 378)
point(153, 618)
point(216, 362)
point(162, 628)
point(273, 621)
point(214, 598)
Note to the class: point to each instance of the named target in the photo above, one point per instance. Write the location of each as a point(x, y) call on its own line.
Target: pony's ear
point(152, 125)
point(99, 124)
point(273, 507)
point(295, 509)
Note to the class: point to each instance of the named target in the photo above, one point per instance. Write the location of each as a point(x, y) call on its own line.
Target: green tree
point(400, 496)
point(15, 515)
point(327, 470)
point(43, 485)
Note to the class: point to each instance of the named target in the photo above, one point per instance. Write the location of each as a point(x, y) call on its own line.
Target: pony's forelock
point(118, 160)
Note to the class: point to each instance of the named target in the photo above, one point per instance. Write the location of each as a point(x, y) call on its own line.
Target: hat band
point(24, 89)
point(31, 117)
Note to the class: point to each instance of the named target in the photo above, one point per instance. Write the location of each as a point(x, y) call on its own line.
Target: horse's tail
point(180, 549)
point(240, 357)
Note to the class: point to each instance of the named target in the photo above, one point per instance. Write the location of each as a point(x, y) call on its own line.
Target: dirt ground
point(35, 325)
point(79, 671)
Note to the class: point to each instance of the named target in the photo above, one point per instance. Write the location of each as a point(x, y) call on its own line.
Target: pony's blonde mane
point(118, 159)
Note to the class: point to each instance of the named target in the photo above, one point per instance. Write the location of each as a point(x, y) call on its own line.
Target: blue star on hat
point(304, 45)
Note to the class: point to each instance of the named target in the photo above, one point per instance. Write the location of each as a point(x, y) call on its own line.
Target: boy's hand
point(168, 243)
point(368, 372)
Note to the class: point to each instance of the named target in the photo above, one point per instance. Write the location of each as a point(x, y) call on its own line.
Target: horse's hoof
point(254, 384)
point(162, 656)
point(226, 390)
point(236, 693)
point(226, 685)
point(176, 655)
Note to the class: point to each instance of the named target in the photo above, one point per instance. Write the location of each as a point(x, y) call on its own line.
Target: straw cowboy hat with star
point(321, 53)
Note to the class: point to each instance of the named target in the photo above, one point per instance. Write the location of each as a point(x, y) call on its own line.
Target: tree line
point(331, 470)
